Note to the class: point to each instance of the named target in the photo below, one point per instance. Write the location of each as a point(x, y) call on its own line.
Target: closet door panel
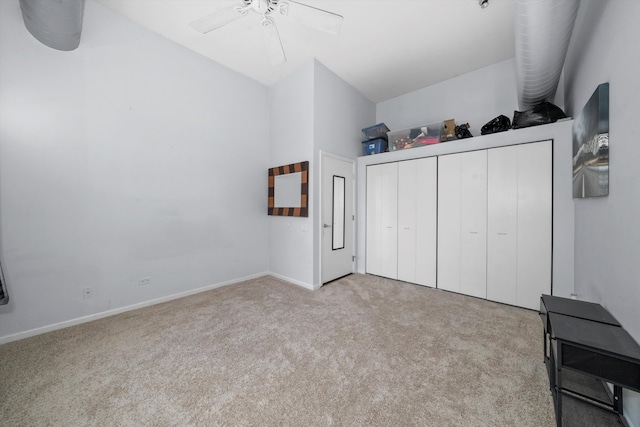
point(449, 222)
point(473, 224)
point(373, 237)
point(426, 221)
point(502, 223)
point(534, 222)
point(382, 220)
point(407, 232)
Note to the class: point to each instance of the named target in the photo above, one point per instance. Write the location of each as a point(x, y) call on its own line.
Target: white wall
point(310, 110)
point(607, 235)
point(129, 157)
point(475, 97)
point(291, 140)
point(562, 202)
point(340, 114)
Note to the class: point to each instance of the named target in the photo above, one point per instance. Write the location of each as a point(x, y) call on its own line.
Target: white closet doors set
point(401, 220)
point(484, 218)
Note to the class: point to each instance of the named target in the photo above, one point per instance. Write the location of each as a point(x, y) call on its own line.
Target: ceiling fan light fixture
point(313, 17)
point(483, 3)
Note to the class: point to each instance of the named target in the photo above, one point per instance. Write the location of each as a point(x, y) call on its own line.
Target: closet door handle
point(326, 226)
point(473, 232)
point(406, 228)
point(502, 234)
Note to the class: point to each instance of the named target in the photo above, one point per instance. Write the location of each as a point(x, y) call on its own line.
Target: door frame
point(322, 155)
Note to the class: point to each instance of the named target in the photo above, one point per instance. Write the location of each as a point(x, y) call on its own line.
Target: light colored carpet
point(360, 351)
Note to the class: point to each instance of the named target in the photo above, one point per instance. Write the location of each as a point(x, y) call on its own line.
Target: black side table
point(569, 307)
point(600, 350)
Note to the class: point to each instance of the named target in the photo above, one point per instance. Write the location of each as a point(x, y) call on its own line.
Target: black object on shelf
point(541, 114)
point(499, 124)
point(462, 131)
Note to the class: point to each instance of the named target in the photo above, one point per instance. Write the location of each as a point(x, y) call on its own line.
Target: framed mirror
point(289, 190)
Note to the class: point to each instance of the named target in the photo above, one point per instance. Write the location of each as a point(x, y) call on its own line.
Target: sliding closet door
point(407, 215)
point(449, 222)
point(502, 224)
point(382, 220)
point(417, 216)
point(462, 223)
point(519, 224)
point(473, 223)
point(427, 222)
point(534, 223)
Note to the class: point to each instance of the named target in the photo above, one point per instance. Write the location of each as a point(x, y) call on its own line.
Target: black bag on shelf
point(499, 124)
point(462, 131)
point(543, 113)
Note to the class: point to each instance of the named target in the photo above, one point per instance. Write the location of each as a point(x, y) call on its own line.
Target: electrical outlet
point(87, 293)
point(143, 281)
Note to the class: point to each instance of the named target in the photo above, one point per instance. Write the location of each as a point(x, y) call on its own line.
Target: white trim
point(113, 312)
point(296, 282)
point(336, 157)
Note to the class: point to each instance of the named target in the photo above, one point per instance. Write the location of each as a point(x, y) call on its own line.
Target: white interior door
point(502, 224)
point(382, 220)
point(337, 216)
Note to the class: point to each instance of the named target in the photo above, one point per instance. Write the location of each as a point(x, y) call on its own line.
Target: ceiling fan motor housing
point(262, 7)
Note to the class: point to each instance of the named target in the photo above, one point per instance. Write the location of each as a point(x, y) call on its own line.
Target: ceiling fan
point(318, 19)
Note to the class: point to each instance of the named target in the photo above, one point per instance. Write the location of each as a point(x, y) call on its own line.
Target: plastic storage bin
point(376, 131)
point(374, 146)
point(414, 137)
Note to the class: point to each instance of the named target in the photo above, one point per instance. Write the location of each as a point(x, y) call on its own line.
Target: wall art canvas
point(591, 146)
point(4, 296)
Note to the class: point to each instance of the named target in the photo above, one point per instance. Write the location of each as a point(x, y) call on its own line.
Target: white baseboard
point(296, 282)
point(113, 312)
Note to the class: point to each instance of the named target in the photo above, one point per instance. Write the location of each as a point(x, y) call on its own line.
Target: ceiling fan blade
point(218, 19)
point(313, 17)
point(272, 42)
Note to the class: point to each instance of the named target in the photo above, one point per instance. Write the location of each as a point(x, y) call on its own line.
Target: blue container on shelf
point(374, 146)
point(376, 131)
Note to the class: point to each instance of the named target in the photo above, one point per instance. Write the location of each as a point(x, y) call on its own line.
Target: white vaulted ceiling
point(385, 48)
